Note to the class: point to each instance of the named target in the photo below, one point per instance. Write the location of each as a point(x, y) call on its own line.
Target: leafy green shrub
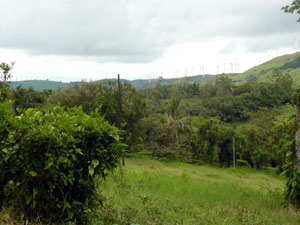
point(290, 169)
point(165, 139)
point(5, 92)
point(213, 141)
point(6, 118)
point(50, 159)
point(260, 158)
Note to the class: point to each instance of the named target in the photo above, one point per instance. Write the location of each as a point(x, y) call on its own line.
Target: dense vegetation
point(62, 134)
point(191, 122)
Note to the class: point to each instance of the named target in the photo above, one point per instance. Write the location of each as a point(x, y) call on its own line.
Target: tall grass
point(152, 192)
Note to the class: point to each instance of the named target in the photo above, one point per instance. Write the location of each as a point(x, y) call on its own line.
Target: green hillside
point(286, 64)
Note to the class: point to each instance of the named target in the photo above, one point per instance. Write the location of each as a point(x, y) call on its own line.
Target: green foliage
point(5, 69)
point(165, 138)
point(213, 140)
point(293, 7)
point(174, 105)
point(50, 160)
point(291, 166)
point(5, 92)
point(265, 139)
point(242, 163)
point(292, 190)
point(29, 98)
point(91, 95)
point(227, 101)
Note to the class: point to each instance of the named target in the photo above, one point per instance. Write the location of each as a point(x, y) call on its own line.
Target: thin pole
point(120, 111)
point(233, 148)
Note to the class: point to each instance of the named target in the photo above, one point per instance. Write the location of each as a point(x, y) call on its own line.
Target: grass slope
point(286, 64)
point(154, 192)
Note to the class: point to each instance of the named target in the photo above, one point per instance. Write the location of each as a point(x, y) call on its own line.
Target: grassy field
point(148, 191)
point(152, 192)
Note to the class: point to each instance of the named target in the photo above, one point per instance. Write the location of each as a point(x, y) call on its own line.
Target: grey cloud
point(231, 47)
point(271, 42)
point(136, 30)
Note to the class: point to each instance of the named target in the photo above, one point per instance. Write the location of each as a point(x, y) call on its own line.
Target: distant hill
point(41, 85)
point(145, 83)
point(287, 64)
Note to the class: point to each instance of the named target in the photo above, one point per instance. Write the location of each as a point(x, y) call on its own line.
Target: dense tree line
point(187, 121)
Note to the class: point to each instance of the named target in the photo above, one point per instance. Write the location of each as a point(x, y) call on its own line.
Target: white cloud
point(77, 39)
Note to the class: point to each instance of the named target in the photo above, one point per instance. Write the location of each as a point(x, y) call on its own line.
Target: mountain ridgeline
point(286, 64)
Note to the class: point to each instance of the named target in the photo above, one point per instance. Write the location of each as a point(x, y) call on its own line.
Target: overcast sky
point(68, 40)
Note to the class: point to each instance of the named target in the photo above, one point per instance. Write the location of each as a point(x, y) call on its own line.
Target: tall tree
point(5, 69)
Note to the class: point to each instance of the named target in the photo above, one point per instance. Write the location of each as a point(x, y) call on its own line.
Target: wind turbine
point(185, 72)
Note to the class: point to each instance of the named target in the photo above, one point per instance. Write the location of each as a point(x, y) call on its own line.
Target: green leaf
point(91, 170)
point(32, 173)
point(62, 159)
point(294, 184)
point(48, 164)
point(28, 199)
point(76, 203)
point(78, 151)
point(95, 163)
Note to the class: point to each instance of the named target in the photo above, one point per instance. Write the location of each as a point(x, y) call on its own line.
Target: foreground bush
point(49, 160)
